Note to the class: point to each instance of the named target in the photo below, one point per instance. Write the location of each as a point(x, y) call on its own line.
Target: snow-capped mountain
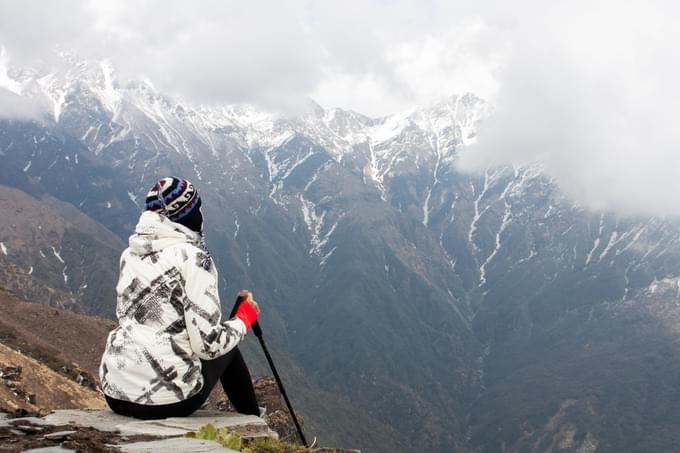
point(447, 308)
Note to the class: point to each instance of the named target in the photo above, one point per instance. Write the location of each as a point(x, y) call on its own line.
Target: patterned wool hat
point(173, 197)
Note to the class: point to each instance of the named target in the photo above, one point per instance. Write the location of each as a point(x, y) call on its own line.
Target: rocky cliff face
point(454, 312)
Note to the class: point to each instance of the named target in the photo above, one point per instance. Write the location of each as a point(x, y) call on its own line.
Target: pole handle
point(257, 330)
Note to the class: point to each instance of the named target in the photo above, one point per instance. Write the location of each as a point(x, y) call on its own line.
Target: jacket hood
point(155, 232)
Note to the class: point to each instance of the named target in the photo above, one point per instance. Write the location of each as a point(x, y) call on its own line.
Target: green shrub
point(233, 441)
point(222, 436)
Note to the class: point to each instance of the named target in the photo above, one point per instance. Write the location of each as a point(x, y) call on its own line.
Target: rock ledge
point(65, 430)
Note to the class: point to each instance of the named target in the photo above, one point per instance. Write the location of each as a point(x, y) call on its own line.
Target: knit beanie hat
point(175, 198)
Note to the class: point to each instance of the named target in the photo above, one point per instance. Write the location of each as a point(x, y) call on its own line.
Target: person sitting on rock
point(171, 346)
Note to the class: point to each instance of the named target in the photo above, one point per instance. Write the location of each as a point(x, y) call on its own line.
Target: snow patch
point(504, 224)
point(3, 248)
point(315, 224)
point(324, 259)
point(532, 253)
point(108, 94)
point(635, 239)
point(613, 239)
point(59, 102)
point(316, 176)
point(312, 220)
point(371, 170)
point(133, 198)
point(478, 214)
point(435, 177)
point(54, 251)
point(391, 127)
point(596, 243)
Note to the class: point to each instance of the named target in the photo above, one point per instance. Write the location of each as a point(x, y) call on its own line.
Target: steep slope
point(53, 254)
point(601, 377)
point(24, 380)
point(48, 357)
point(76, 340)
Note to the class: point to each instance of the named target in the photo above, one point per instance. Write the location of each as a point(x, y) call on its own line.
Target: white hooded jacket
point(169, 316)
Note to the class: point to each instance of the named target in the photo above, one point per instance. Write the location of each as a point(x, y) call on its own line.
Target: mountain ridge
point(385, 270)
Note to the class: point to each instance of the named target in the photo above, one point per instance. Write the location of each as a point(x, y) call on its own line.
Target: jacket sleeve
point(210, 337)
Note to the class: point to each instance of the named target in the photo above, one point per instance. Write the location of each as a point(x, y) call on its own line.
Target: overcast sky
point(589, 89)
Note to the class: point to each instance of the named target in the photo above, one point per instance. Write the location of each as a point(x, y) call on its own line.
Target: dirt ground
point(23, 436)
point(53, 336)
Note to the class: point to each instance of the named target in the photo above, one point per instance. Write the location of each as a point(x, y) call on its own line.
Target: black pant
point(230, 369)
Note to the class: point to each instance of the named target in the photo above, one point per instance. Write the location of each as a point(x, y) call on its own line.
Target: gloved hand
point(248, 310)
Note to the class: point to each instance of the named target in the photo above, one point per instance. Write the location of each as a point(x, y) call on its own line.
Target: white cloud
point(460, 60)
point(13, 106)
point(265, 52)
point(587, 88)
point(418, 71)
point(592, 94)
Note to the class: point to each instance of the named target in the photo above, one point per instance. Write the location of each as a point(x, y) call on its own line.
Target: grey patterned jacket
point(169, 317)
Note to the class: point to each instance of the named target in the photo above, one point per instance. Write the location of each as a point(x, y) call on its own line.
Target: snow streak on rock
point(57, 255)
point(596, 244)
point(237, 227)
point(320, 233)
point(504, 224)
point(133, 198)
point(477, 213)
point(434, 144)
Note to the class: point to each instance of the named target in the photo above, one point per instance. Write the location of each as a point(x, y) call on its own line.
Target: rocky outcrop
point(102, 430)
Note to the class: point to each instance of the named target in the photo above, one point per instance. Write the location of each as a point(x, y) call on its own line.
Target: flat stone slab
point(166, 435)
point(175, 444)
point(106, 420)
point(101, 419)
point(231, 421)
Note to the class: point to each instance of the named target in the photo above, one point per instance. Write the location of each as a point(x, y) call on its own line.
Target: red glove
point(246, 313)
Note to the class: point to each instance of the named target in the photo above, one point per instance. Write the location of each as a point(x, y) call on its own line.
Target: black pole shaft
point(282, 390)
point(258, 333)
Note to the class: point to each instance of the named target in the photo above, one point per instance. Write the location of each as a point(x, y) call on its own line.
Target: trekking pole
point(258, 333)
